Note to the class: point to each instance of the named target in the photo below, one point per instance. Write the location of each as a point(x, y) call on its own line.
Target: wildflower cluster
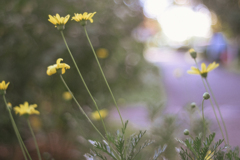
point(60, 22)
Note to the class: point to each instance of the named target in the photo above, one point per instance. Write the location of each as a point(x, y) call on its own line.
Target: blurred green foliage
point(29, 44)
point(228, 12)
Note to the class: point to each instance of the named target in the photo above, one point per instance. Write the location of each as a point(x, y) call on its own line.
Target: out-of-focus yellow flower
point(102, 53)
point(3, 85)
point(53, 68)
point(67, 96)
point(209, 155)
point(58, 21)
point(204, 70)
point(83, 17)
point(26, 109)
point(95, 115)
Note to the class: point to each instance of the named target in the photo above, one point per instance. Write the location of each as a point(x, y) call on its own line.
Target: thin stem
point(211, 104)
point(86, 114)
point(81, 108)
point(219, 111)
point(203, 120)
point(35, 141)
point(209, 132)
point(70, 53)
point(83, 81)
point(14, 127)
point(103, 75)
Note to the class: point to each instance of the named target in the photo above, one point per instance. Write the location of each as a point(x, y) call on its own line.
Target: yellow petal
point(63, 70)
point(57, 16)
point(203, 66)
point(51, 70)
point(52, 20)
point(6, 86)
point(212, 66)
point(193, 72)
point(66, 19)
point(59, 60)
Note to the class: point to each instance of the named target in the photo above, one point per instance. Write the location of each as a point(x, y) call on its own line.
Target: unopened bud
point(206, 95)
point(9, 105)
point(193, 53)
point(193, 105)
point(186, 132)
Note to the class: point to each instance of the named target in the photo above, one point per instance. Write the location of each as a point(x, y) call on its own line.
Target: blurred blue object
point(217, 47)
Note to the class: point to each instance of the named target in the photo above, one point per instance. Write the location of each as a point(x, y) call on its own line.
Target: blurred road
point(182, 89)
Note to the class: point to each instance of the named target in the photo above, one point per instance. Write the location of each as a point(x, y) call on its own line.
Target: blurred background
point(142, 46)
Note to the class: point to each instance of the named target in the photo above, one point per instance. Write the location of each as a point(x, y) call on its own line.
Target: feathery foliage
point(120, 149)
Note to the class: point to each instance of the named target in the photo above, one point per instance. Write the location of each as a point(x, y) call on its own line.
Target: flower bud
point(206, 95)
point(186, 132)
point(193, 53)
point(193, 105)
point(9, 105)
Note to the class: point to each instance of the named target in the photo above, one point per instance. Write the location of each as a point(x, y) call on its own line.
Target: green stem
point(211, 104)
point(83, 81)
point(209, 132)
point(218, 110)
point(86, 114)
point(103, 75)
point(35, 141)
point(203, 121)
point(14, 127)
point(81, 108)
point(70, 53)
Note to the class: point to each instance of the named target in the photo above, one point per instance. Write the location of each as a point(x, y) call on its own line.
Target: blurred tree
point(228, 11)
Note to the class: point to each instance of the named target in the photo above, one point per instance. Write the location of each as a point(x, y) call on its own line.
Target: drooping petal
point(51, 70)
point(58, 62)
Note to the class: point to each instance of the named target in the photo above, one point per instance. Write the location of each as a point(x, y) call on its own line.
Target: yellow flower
point(95, 115)
point(204, 70)
point(67, 96)
point(26, 109)
point(53, 68)
point(209, 155)
point(83, 17)
point(3, 86)
point(102, 53)
point(58, 21)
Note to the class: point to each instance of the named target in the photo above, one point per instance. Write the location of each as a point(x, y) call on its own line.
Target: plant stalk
point(35, 141)
point(103, 75)
point(219, 111)
point(211, 104)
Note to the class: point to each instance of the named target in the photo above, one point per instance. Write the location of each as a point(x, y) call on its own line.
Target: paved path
point(182, 89)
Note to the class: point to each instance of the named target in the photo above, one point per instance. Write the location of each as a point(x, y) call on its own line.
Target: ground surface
point(182, 89)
